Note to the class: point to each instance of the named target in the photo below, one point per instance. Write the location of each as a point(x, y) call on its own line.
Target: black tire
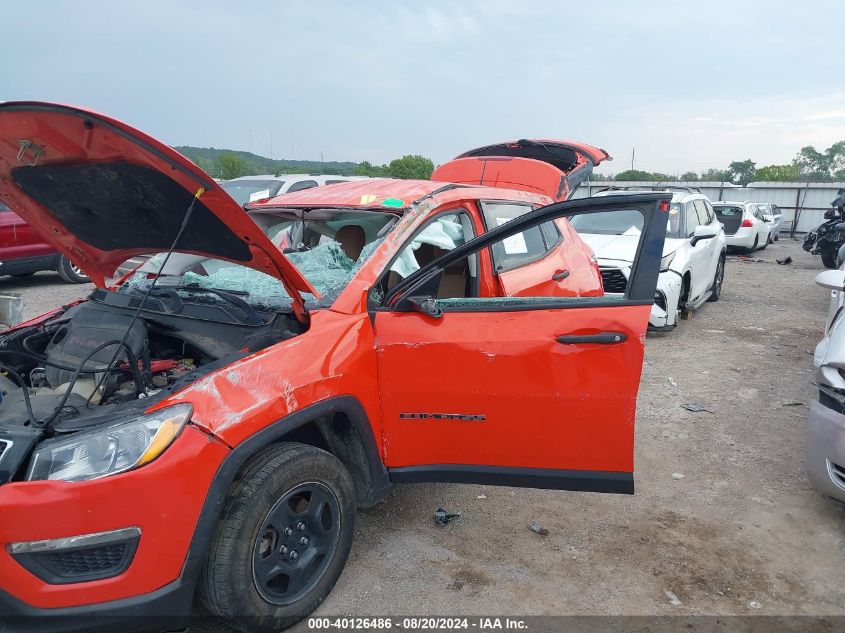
point(829, 260)
point(765, 244)
point(70, 273)
point(754, 245)
point(252, 552)
point(718, 279)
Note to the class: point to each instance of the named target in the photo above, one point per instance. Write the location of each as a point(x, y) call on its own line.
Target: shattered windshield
point(246, 191)
point(624, 222)
point(328, 250)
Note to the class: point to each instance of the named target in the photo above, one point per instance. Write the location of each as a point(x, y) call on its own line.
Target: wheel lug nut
point(300, 526)
point(304, 540)
point(284, 549)
point(293, 555)
point(288, 531)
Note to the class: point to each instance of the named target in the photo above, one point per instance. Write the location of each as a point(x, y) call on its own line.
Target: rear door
point(539, 261)
point(535, 391)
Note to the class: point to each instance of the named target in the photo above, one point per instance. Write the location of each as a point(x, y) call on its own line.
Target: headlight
point(114, 449)
point(667, 259)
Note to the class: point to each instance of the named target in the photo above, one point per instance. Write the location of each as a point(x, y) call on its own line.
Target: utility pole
point(633, 152)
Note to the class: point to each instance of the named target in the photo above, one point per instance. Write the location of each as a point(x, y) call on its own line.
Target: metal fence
point(805, 201)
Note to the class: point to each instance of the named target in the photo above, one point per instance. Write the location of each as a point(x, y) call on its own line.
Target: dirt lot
point(741, 532)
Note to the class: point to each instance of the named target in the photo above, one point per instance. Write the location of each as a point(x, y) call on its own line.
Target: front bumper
point(826, 450)
point(166, 609)
point(669, 290)
point(163, 499)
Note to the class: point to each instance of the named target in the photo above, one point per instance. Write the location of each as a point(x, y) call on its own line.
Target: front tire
point(282, 541)
point(71, 273)
point(716, 288)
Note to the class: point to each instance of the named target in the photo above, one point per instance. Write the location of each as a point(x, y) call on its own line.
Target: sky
point(689, 85)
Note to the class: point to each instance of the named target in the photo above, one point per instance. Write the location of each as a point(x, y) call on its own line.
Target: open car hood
point(552, 168)
point(101, 192)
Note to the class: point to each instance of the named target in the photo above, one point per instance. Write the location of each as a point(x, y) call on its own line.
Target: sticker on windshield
point(396, 203)
point(259, 195)
point(515, 244)
point(367, 199)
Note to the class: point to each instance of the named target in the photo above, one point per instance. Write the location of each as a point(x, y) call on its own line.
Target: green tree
point(778, 173)
point(713, 175)
point(366, 168)
point(741, 172)
point(411, 167)
point(634, 174)
point(689, 176)
point(231, 166)
point(815, 165)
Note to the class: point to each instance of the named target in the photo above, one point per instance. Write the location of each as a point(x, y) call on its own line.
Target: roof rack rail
point(657, 187)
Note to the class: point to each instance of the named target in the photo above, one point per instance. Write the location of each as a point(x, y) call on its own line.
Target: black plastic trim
point(40, 565)
point(544, 478)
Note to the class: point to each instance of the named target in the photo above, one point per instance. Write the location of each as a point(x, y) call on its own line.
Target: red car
point(23, 252)
point(209, 426)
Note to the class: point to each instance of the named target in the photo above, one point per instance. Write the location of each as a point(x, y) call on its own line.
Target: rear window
point(246, 191)
point(522, 248)
point(728, 212)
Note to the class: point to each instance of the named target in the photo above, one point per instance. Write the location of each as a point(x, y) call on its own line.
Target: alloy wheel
point(296, 543)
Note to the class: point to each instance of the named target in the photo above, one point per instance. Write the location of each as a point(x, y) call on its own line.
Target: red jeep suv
point(208, 426)
point(23, 252)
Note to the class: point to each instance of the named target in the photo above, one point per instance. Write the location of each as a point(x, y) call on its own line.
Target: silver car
point(826, 426)
point(772, 216)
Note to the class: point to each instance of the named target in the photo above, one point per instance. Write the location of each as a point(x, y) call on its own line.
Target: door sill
point(545, 478)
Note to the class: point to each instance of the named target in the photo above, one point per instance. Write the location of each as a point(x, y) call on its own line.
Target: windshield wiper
point(231, 296)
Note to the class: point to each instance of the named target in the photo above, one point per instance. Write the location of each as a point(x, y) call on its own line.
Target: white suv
point(248, 189)
point(693, 264)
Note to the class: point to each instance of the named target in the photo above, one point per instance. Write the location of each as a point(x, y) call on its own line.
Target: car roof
point(389, 195)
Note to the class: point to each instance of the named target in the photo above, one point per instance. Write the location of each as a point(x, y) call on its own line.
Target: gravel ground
point(741, 532)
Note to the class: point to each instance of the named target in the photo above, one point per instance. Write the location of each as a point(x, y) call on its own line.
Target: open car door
point(535, 391)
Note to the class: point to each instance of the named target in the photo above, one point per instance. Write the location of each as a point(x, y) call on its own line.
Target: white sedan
point(745, 225)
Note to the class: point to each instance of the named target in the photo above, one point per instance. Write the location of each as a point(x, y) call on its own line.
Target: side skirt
point(546, 478)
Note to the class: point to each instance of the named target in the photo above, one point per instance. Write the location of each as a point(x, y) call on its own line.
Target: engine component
point(90, 327)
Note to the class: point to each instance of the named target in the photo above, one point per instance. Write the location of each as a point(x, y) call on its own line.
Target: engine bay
point(76, 365)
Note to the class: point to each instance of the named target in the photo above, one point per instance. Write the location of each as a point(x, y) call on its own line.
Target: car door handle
point(605, 338)
point(560, 275)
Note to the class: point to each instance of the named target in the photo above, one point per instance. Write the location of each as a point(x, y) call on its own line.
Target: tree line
point(809, 165)
point(228, 164)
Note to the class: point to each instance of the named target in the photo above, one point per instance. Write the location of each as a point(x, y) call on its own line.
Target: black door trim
point(545, 478)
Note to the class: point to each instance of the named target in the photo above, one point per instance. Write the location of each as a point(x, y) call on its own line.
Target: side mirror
point(704, 232)
point(831, 279)
point(425, 305)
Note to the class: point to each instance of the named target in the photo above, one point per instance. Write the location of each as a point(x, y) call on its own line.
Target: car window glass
point(691, 218)
point(585, 283)
point(437, 237)
point(519, 249)
point(709, 209)
point(334, 182)
point(701, 211)
point(302, 184)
